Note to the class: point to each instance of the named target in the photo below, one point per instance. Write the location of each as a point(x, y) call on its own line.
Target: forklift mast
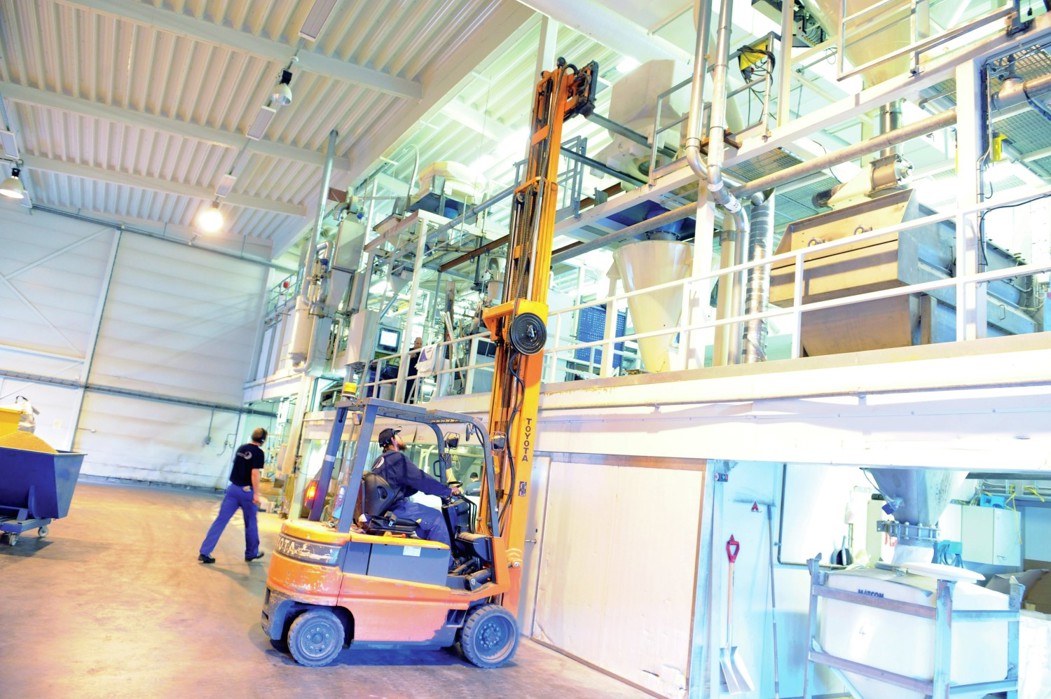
point(519, 324)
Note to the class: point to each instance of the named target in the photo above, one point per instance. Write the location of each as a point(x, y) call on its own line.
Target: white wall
point(617, 564)
point(165, 333)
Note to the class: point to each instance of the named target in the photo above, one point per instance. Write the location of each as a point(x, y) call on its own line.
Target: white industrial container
point(904, 644)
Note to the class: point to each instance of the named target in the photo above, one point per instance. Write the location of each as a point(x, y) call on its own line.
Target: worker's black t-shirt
point(397, 470)
point(248, 457)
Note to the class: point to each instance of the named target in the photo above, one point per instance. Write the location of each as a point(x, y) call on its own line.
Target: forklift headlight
point(308, 551)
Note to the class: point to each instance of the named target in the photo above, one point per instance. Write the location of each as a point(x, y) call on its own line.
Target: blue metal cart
point(35, 488)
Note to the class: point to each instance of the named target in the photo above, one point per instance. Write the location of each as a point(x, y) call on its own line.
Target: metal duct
point(757, 289)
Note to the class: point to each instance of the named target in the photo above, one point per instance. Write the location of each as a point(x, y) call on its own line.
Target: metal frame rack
point(943, 615)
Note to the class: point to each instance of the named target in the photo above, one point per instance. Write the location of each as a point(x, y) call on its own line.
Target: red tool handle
point(732, 547)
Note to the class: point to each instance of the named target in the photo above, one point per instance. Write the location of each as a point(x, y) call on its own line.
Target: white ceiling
point(133, 110)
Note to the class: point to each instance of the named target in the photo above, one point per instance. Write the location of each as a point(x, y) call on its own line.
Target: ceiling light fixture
point(210, 220)
point(316, 19)
point(9, 144)
point(12, 187)
point(282, 94)
point(262, 122)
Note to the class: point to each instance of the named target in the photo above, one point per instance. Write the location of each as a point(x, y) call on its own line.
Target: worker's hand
point(257, 499)
point(456, 490)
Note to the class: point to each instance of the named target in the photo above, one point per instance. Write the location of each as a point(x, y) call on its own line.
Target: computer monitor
point(389, 340)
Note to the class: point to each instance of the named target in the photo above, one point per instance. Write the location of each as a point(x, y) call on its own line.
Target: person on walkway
point(243, 493)
point(401, 473)
point(414, 359)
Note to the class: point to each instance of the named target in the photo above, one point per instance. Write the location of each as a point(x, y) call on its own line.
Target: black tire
point(279, 644)
point(489, 638)
point(315, 638)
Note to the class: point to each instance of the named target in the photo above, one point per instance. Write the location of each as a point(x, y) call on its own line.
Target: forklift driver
point(402, 474)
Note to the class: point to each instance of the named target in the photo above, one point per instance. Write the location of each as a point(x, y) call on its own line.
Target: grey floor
point(113, 604)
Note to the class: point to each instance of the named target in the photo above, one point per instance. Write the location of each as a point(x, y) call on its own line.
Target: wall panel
point(618, 562)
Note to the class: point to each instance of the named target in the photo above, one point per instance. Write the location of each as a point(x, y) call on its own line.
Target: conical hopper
point(923, 493)
point(650, 263)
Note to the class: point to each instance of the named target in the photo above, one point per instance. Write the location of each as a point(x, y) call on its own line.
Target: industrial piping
point(712, 172)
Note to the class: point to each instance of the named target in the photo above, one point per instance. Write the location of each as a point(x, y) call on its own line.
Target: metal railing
point(873, 19)
point(464, 363)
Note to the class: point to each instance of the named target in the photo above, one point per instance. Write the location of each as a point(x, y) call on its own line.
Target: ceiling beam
point(207, 134)
point(479, 122)
point(594, 19)
point(34, 162)
point(227, 37)
point(439, 80)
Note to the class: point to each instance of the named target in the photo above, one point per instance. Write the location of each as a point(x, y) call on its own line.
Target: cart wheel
point(315, 638)
point(42, 532)
point(489, 638)
point(10, 539)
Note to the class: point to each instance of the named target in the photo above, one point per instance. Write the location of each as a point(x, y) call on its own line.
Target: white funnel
point(649, 263)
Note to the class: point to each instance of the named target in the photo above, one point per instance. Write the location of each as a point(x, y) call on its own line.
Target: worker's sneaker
point(255, 557)
point(204, 558)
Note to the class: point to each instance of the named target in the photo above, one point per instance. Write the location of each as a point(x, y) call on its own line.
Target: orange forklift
point(337, 578)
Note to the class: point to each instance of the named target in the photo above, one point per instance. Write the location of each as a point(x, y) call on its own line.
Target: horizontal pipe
point(128, 393)
point(892, 138)
point(150, 234)
point(571, 251)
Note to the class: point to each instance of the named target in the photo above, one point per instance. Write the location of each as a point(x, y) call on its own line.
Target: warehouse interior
point(793, 394)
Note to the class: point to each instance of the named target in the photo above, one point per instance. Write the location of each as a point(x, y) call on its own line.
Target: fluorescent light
point(626, 65)
point(226, 185)
point(7, 140)
point(210, 220)
point(262, 122)
point(12, 187)
point(316, 19)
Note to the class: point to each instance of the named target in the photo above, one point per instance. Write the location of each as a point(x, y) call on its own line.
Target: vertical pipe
point(90, 359)
point(760, 241)
point(889, 120)
point(326, 176)
point(724, 301)
point(695, 120)
point(784, 62)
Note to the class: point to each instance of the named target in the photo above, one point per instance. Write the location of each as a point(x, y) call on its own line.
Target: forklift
point(339, 578)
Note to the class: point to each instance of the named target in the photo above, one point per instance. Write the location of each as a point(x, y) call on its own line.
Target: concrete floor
point(113, 603)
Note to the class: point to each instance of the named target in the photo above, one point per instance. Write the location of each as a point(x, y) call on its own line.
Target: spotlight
point(210, 220)
point(12, 187)
point(282, 94)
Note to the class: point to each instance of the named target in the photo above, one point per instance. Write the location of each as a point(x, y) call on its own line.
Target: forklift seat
point(379, 498)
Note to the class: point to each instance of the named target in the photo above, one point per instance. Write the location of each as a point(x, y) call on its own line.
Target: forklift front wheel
point(315, 638)
point(489, 637)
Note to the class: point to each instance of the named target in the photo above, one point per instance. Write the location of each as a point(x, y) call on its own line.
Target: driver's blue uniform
point(401, 473)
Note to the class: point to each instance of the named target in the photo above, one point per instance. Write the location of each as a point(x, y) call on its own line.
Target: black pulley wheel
point(528, 333)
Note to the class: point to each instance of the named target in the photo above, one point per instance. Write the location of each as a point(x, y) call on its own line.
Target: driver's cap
point(386, 437)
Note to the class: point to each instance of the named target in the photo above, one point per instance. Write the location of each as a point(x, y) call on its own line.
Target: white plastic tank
point(645, 264)
point(904, 644)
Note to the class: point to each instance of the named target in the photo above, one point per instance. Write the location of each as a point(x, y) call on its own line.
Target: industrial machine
point(332, 583)
point(920, 254)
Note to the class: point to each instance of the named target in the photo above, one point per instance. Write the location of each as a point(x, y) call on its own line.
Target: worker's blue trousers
point(236, 497)
point(429, 522)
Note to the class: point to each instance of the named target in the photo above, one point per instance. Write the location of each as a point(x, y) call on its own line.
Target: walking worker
point(401, 473)
point(243, 492)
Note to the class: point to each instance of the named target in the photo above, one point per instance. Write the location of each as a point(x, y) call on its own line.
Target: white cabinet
point(991, 536)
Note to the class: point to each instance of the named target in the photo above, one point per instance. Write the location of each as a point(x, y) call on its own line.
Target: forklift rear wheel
point(490, 636)
point(315, 638)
